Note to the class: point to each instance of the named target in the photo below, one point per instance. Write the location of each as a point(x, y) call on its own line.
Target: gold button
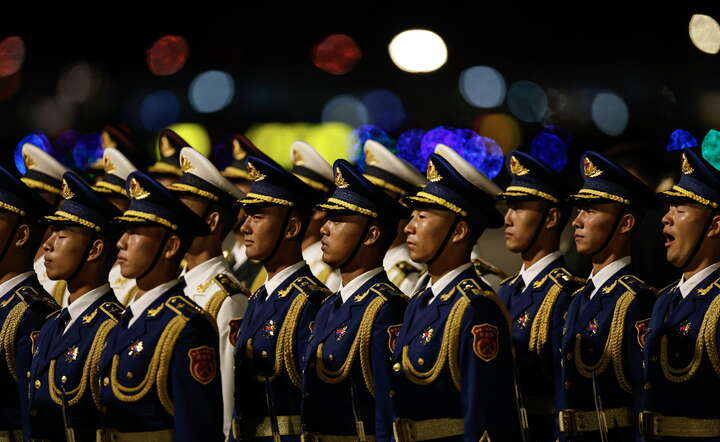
point(653, 358)
point(130, 375)
point(568, 384)
point(38, 384)
point(648, 386)
point(392, 393)
point(63, 379)
point(421, 361)
point(331, 357)
point(264, 353)
point(569, 356)
point(397, 366)
point(28, 374)
point(33, 412)
point(106, 381)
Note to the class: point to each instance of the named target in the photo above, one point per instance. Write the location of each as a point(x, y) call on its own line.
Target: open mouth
point(669, 239)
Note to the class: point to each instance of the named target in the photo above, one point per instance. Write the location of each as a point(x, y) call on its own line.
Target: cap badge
point(686, 167)
point(432, 173)
point(516, 168)
point(108, 166)
point(238, 152)
point(66, 192)
point(136, 190)
point(591, 171)
point(340, 180)
point(255, 174)
point(107, 140)
point(370, 159)
point(185, 164)
point(297, 159)
point(29, 161)
point(166, 150)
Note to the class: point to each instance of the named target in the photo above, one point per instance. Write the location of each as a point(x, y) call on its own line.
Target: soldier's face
point(682, 226)
point(261, 230)
point(137, 248)
point(521, 221)
point(426, 231)
point(340, 235)
point(593, 224)
point(64, 250)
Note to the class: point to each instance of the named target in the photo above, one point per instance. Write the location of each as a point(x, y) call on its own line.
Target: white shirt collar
point(312, 252)
point(81, 304)
point(12, 282)
point(201, 274)
point(687, 286)
point(606, 272)
point(273, 283)
point(395, 255)
point(347, 291)
point(139, 305)
point(238, 252)
point(528, 275)
point(442, 283)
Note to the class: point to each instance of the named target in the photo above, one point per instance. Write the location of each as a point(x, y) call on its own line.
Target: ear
point(172, 247)
point(96, 251)
point(552, 219)
point(294, 227)
point(373, 235)
point(462, 231)
point(22, 236)
point(627, 223)
point(714, 229)
point(213, 221)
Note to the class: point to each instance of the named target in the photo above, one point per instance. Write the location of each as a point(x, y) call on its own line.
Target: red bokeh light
point(167, 55)
point(336, 54)
point(9, 86)
point(12, 55)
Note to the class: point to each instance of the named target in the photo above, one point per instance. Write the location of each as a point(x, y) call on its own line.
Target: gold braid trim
point(11, 208)
point(678, 191)
point(255, 198)
point(157, 369)
point(215, 302)
point(62, 215)
point(362, 338)
point(133, 215)
point(8, 335)
point(37, 184)
point(540, 328)
point(425, 197)
point(332, 203)
point(591, 193)
point(613, 346)
point(288, 337)
point(710, 333)
point(130, 295)
point(519, 190)
point(182, 187)
point(58, 292)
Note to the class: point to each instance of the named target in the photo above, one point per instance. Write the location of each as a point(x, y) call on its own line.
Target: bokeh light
point(37, 139)
point(9, 85)
point(167, 55)
point(12, 55)
point(418, 50)
point(211, 91)
point(78, 83)
point(482, 86)
point(195, 134)
point(159, 109)
point(705, 33)
point(438, 135)
point(385, 109)
point(52, 116)
point(409, 148)
point(87, 151)
point(364, 133)
point(527, 101)
point(502, 128)
point(345, 109)
point(610, 113)
point(337, 54)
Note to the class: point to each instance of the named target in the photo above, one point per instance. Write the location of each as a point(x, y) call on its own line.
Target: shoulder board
point(567, 282)
point(668, 287)
point(113, 310)
point(509, 278)
point(53, 315)
point(183, 306)
point(387, 291)
point(705, 290)
point(30, 296)
point(580, 289)
point(311, 288)
point(483, 267)
point(634, 284)
point(229, 285)
point(326, 299)
point(470, 288)
point(406, 268)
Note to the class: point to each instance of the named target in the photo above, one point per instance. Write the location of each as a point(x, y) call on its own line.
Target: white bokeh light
point(482, 86)
point(418, 50)
point(610, 113)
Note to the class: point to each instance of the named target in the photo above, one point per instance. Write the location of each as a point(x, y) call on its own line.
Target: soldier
point(346, 371)
point(596, 399)
point(167, 169)
point(208, 277)
point(683, 327)
point(118, 136)
point(24, 304)
point(398, 178)
point(313, 170)
point(64, 372)
point(112, 186)
point(159, 365)
point(538, 296)
point(44, 174)
point(279, 319)
point(454, 345)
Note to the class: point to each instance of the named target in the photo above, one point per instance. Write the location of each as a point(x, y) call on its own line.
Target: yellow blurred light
point(418, 50)
point(332, 140)
point(195, 134)
point(502, 128)
point(705, 33)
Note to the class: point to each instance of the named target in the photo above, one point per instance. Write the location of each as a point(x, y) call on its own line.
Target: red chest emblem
point(485, 341)
point(269, 328)
point(393, 333)
point(523, 320)
point(340, 332)
point(642, 330)
point(203, 364)
point(234, 326)
point(593, 327)
point(34, 335)
point(684, 329)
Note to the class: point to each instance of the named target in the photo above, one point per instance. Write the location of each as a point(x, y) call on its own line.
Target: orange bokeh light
point(167, 55)
point(9, 86)
point(501, 128)
point(336, 54)
point(12, 55)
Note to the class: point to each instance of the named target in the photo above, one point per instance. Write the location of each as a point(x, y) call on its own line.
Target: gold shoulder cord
point(215, 302)
point(90, 374)
point(540, 328)
point(362, 340)
point(130, 295)
point(613, 350)
point(59, 291)
point(709, 333)
point(8, 335)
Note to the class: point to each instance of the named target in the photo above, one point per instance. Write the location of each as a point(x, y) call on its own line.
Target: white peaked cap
point(303, 154)
point(470, 173)
point(379, 156)
point(41, 161)
point(194, 163)
point(115, 163)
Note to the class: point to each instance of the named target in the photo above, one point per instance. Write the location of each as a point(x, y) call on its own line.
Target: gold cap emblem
point(685, 167)
point(516, 168)
point(107, 140)
point(255, 174)
point(29, 161)
point(432, 173)
point(591, 171)
point(66, 192)
point(185, 164)
point(370, 159)
point(297, 159)
point(136, 190)
point(166, 150)
point(108, 166)
point(340, 179)
point(238, 151)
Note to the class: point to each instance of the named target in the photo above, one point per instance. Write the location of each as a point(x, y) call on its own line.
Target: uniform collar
point(442, 283)
point(76, 308)
point(312, 252)
point(528, 275)
point(273, 283)
point(202, 273)
point(12, 282)
point(347, 291)
point(139, 305)
point(687, 286)
point(606, 272)
point(238, 252)
point(397, 254)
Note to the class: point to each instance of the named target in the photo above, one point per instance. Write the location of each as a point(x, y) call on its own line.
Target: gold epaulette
point(406, 268)
point(229, 285)
point(672, 284)
point(183, 306)
point(705, 290)
point(634, 284)
point(113, 310)
point(311, 288)
point(567, 282)
point(386, 291)
point(509, 278)
point(475, 292)
point(29, 296)
point(483, 268)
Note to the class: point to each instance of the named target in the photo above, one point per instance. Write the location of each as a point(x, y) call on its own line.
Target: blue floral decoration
point(38, 139)
point(370, 132)
point(681, 139)
point(408, 148)
point(88, 150)
point(550, 149)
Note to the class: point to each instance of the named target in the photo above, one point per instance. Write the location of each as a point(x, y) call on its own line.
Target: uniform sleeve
point(486, 375)
point(637, 322)
point(196, 384)
point(232, 308)
point(391, 314)
point(305, 325)
point(31, 322)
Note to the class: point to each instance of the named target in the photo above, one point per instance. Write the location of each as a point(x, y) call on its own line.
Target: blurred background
point(617, 78)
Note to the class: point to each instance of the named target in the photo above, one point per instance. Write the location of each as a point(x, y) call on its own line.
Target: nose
point(508, 217)
point(410, 226)
point(49, 243)
point(122, 242)
point(577, 223)
point(325, 229)
point(667, 218)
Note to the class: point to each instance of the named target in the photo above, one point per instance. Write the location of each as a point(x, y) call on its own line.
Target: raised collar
point(442, 283)
point(686, 286)
point(273, 283)
point(199, 276)
point(238, 252)
point(139, 305)
point(606, 272)
point(12, 282)
point(347, 291)
point(76, 308)
point(528, 275)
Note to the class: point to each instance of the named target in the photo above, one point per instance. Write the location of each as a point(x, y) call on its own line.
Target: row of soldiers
point(173, 346)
